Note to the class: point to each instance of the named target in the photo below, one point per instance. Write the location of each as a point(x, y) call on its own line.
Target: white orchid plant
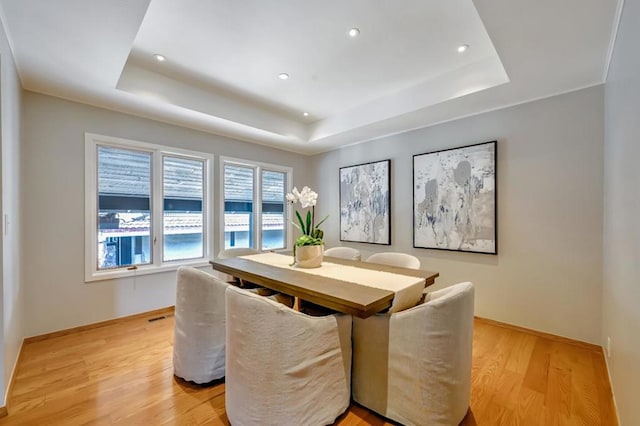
point(311, 233)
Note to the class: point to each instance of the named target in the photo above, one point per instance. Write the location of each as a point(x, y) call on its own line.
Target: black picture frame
point(455, 199)
point(365, 202)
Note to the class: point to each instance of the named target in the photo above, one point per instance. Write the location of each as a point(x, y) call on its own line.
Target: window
point(147, 207)
point(183, 181)
point(124, 207)
point(255, 210)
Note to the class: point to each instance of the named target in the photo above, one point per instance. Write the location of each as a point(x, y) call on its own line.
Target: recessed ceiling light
point(283, 76)
point(306, 114)
point(463, 48)
point(354, 32)
point(159, 58)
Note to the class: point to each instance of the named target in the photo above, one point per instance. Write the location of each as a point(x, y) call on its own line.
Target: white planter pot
point(309, 256)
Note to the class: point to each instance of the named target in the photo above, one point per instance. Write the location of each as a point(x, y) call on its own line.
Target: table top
point(342, 296)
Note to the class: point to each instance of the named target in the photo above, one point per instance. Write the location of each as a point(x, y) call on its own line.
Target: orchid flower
point(311, 233)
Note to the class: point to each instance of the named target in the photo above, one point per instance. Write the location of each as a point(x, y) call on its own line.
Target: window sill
point(143, 270)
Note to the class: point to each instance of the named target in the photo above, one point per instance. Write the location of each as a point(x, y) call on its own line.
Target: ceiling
point(223, 59)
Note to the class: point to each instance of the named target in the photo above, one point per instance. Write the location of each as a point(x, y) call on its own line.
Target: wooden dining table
point(337, 294)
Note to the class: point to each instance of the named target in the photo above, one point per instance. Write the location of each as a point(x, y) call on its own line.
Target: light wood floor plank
point(122, 374)
point(537, 374)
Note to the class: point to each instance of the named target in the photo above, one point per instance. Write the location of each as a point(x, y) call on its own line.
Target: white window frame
point(92, 273)
point(258, 167)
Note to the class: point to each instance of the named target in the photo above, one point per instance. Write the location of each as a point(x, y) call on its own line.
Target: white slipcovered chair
point(343, 252)
point(284, 367)
point(236, 251)
point(199, 342)
point(395, 259)
point(414, 366)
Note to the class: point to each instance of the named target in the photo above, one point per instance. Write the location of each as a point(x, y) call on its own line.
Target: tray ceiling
point(223, 59)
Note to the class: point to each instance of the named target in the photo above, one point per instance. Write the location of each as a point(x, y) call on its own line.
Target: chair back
point(284, 367)
point(395, 259)
point(236, 251)
point(199, 331)
point(414, 366)
point(343, 253)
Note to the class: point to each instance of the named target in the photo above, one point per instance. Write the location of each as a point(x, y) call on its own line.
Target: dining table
point(349, 286)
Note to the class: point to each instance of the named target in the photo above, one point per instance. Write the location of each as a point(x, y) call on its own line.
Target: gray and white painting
point(365, 203)
point(454, 199)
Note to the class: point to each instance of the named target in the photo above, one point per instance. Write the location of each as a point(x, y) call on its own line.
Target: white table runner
point(407, 289)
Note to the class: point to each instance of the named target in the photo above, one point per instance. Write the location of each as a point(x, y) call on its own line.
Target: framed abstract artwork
point(365, 203)
point(454, 199)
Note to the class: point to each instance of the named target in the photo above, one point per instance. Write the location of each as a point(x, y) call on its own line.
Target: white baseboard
point(7, 392)
point(613, 394)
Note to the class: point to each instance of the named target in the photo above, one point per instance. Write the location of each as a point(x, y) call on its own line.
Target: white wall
point(53, 199)
point(621, 282)
point(548, 273)
point(12, 291)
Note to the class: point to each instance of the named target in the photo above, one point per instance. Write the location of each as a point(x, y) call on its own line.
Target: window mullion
point(257, 209)
point(207, 249)
point(221, 207)
point(288, 228)
point(157, 236)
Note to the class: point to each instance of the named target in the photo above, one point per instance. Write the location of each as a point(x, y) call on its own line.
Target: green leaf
point(306, 240)
point(308, 223)
point(322, 221)
point(302, 228)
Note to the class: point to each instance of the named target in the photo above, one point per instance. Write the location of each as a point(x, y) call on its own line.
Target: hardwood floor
point(121, 373)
